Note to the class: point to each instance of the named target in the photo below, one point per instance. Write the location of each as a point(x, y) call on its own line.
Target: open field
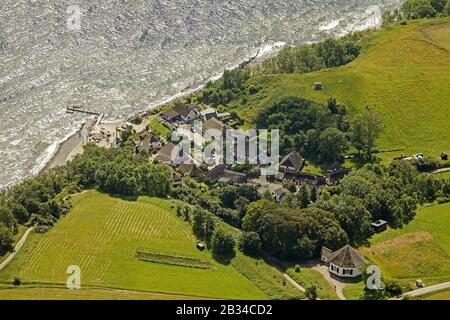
point(403, 72)
point(421, 250)
point(54, 293)
point(101, 235)
point(441, 295)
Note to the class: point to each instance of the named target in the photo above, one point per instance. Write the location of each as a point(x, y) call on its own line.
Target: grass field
point(441, 295)
point(421, 250)
point(403, 72)
point(54, 293)
point(101, 235)
point(308, 277)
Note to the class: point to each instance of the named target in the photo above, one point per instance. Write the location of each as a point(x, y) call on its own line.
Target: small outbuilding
point(379, 226)
point(318, 86)
point(444, 156)
point(200, 246)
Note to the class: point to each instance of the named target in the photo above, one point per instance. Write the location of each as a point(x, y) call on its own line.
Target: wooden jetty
point(79, 109)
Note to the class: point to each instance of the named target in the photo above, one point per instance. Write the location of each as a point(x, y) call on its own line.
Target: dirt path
point(337, 285)
point(16, 249)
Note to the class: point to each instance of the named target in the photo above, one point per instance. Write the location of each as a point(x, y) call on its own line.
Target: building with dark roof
point(334, 176)
point(292, 162)
point(186, 111)
point(346, 262)
point(169, 153)
point(214, 124)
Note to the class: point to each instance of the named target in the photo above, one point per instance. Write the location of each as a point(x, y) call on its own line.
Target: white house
point(345, 262)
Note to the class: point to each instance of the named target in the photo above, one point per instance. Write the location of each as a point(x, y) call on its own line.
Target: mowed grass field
point(101, 235)
point(403, 72)
point(421, 250)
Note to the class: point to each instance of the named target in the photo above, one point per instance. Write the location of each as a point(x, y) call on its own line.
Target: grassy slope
point(421, 250)
point(54, 293)
point(101, 235)
point(403, 71)
point(308, 277)
point(441, 295)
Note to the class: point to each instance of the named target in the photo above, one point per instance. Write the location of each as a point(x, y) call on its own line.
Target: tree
point(6, 240)
point(304, 197)
point(418, 9)
point(250, 243)
point(332, 145)
point(366, 129)
point(311, 292)
point(222, 245)
point(446, 10)
point(439, 5)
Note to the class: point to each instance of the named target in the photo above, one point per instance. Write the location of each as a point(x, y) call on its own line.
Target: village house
point(214, 124)
point(192, 171)
point(171, 116)
point(209, 114)
point(223, 176)
point(345, 262)
point(187, 112)
point(181, 112)
point(292, 163)
point(169, 153)
point(334, 176)
point(147, 142)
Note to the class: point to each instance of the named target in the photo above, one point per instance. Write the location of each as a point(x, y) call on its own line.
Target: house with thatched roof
point(292, 162)
point(169, 153)
point(192, 171)
point(346, 262)
point(214, 124)
point(187, 112)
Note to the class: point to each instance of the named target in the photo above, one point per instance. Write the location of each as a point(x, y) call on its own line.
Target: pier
point(79, 109)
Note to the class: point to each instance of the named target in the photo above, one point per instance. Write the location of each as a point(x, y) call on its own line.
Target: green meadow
point(421, 250)
point(403, 72)
point(101, 235)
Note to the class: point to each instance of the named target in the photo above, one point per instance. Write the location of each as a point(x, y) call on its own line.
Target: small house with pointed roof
point(346, 262)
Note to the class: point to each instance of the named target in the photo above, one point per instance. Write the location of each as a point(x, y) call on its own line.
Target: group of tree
point(312, 57)
point(231, 85)
point(321, 133)
point(291, 234)
point(418, 9)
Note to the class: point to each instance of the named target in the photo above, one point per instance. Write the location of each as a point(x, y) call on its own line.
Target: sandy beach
point(72, 146)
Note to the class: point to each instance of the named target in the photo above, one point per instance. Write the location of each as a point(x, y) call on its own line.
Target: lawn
point(441, 295)
point(308, 277)
point(101, 235)
point(158, 128)
point(403, 72)
point(421, 250)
